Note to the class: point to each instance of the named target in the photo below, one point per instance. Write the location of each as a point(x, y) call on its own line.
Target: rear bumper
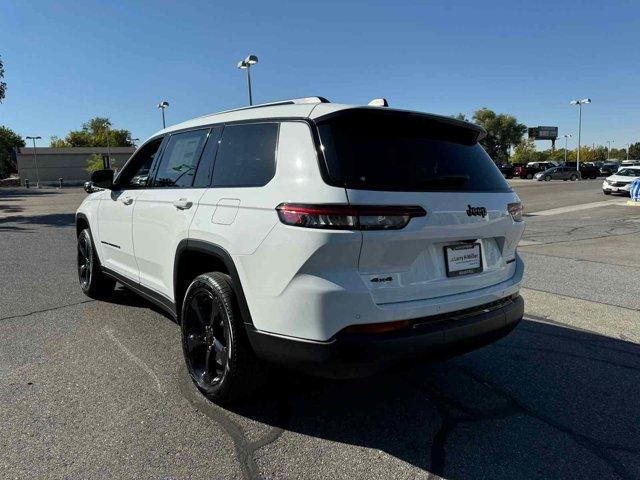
point(428, 338)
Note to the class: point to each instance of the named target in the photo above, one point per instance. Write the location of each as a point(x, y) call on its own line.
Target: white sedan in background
point(620, 182)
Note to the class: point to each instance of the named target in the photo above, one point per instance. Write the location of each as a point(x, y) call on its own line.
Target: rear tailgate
point(467, 239)
point(412, 263)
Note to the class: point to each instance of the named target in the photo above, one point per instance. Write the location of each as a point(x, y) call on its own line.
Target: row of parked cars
point(566, 171)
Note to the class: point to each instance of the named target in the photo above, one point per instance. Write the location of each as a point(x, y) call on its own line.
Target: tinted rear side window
point(246, 155)
point(382, 150)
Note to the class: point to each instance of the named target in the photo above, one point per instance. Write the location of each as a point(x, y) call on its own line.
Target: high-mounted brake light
point(516, 210)
point(348, 217)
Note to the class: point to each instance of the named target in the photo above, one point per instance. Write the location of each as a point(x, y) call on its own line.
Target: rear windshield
point(382, 150)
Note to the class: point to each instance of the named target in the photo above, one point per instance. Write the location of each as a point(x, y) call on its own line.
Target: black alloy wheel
point(207, 339)
point(85, 260)
point(216, 348)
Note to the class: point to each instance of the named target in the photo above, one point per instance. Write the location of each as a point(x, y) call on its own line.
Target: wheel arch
point(194, 257)
point(82, 222)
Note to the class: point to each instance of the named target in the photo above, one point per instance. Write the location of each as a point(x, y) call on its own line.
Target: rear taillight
point(348, 217)
point(515, 210)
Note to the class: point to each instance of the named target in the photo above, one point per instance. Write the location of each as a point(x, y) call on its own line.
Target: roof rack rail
point(293, 101)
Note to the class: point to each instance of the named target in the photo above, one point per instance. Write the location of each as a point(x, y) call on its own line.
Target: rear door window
point(180, 159)
point(382, 150)
point(246, 155)
point(205, 166)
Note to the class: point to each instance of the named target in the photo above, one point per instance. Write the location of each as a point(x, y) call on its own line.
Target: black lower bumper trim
point(356, 355)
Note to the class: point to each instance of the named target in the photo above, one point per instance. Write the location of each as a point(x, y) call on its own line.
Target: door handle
point(182, 204)
point(127, 200)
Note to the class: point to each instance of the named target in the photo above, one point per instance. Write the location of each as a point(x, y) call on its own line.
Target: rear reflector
point(377, 327)
point(348, 217)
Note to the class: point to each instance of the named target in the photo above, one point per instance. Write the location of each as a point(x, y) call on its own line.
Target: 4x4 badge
point(476, 211)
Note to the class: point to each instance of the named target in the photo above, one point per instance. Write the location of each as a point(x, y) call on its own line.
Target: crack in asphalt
point(446, 408)
point(244, 448)
point(50, 309)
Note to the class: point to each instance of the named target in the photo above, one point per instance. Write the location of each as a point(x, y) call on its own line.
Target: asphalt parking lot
point(98, 389)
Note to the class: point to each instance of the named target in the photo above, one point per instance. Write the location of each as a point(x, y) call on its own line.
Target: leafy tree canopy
point(503, 131)
point(8, 140)
point(94, 134)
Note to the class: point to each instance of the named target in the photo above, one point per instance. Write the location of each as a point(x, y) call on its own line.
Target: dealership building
point(70, 164)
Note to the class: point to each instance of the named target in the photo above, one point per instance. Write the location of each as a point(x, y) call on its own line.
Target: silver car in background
point(558, 173)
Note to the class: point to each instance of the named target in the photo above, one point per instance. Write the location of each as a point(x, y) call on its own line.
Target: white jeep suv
point(329, 238)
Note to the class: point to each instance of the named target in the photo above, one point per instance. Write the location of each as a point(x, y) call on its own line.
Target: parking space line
point(574, 208)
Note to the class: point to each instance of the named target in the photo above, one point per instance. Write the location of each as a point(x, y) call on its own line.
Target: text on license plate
point(463, 259)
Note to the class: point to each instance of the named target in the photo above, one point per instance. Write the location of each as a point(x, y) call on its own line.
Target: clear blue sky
point(69, 61)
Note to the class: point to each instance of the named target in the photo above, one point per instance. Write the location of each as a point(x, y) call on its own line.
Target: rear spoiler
point(479, 131)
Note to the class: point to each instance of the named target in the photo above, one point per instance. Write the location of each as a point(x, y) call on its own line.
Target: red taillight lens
point(516, 210)
point(348, 217)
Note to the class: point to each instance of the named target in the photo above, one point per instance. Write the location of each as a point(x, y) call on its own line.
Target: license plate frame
point(469, 270)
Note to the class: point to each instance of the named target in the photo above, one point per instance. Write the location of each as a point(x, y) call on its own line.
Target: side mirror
point(103, 179)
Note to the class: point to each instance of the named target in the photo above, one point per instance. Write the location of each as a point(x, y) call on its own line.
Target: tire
point(573, 177)
point(216, 349)
point(606, 192)
point(93, 282)
point(547, 178)
point(529, 176)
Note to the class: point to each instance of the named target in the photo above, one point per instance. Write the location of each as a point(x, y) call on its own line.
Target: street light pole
point(566, 138)
point(35, 159)
point(162, 105)
point(609, 148)
point(579, 103)
point(246, 65)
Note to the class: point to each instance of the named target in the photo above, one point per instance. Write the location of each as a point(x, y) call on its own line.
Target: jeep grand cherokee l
point(328, 238)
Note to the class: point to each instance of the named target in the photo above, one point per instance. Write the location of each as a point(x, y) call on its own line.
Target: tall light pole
point(628, 145)
point(579, 103)
point(609, 142)
point(566, 136)
point(134, 141)
point(246, 65)
point(35, 159)
point(162, 105)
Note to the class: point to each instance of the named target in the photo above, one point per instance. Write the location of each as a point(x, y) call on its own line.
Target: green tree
point(94, 134)
point(3, 85)
point(634, 151)
point(526, 152)
point(95, 163)
point(8, 141)
point(503, 131)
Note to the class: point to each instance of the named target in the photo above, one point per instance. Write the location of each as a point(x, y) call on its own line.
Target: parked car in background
point(507, 169)
point(531, 168)
point(630, 163)
point(587, 170)
point(620, 182)
point(609, 168)
point(558, 173)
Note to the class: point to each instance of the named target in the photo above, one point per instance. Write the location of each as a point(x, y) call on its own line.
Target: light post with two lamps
point(584, 101)
point(162, 105)
point(246, 65)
